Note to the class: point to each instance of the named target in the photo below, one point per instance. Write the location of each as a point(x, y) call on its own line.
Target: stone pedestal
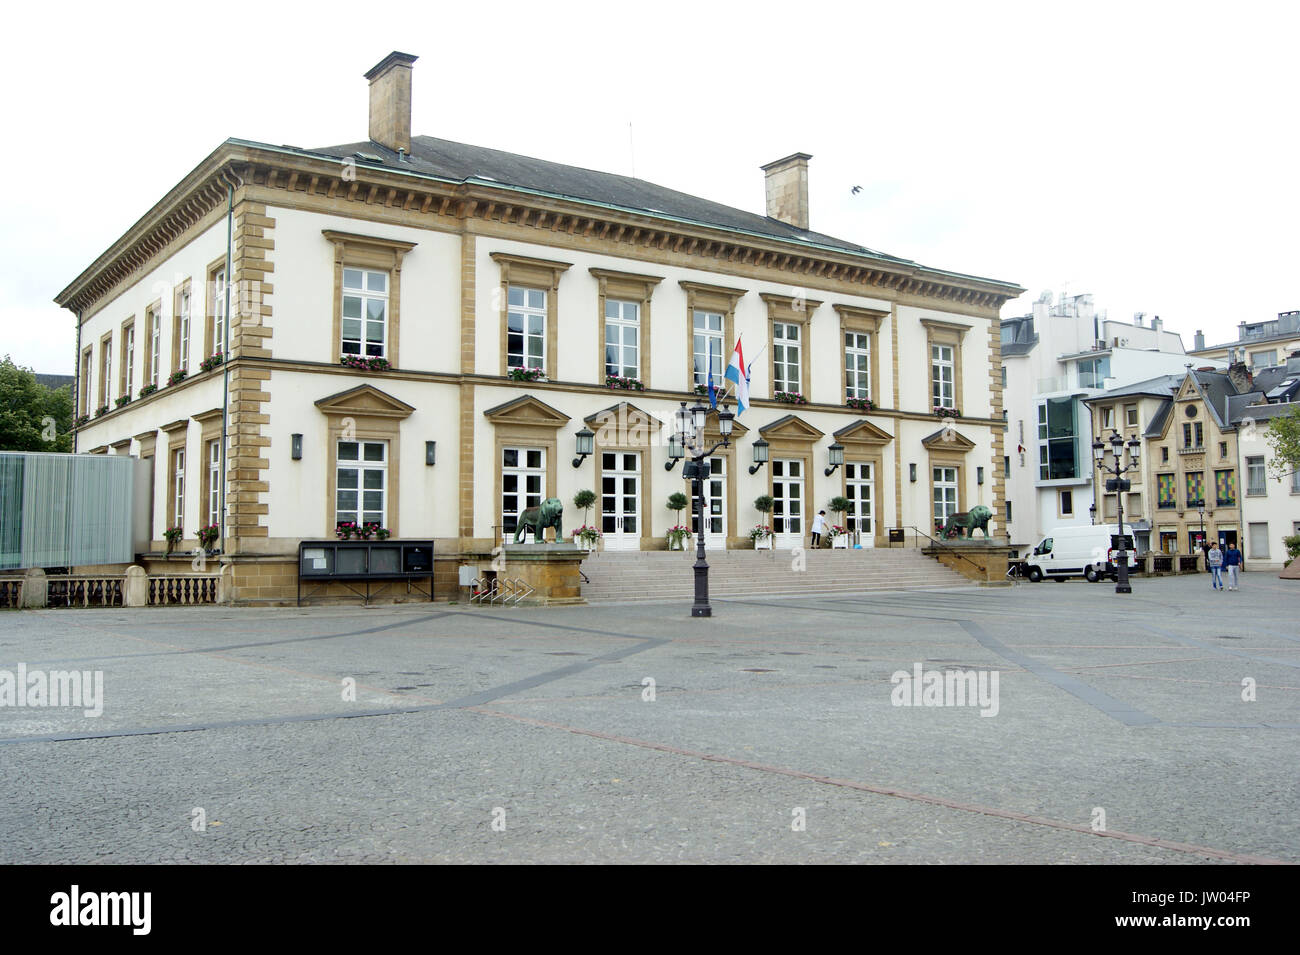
point(552, 570)
point(35, 589)
point(984, 561)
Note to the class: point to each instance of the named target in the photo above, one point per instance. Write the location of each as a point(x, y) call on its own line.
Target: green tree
point(1284, 438)
point(32, 417)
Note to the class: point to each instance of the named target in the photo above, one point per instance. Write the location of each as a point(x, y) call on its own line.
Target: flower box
point(790, 398)
point(677, 536)
point(859, 404)
point(374, 363)
point(348, 530)
point(586, 538)
point(121, 400)
point(942, 412)
point(101, 411)
point(212, 361)
point(147, 390)
point(761, 535)
point(626, 384)
point(81, 420)
point(526, 374)
point(177, 377)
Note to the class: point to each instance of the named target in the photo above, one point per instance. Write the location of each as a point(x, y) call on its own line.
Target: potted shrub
point(588, 538)
point(583, 501)
point(840, 505)
point(173, 537)
point(678, 534)
point(208, 536)
point(761, 535)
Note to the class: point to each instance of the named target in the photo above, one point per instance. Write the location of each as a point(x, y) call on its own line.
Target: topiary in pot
point(583, 501)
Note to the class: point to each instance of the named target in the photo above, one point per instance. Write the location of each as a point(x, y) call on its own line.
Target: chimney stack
point(1198, 341)
point(787, 190)
point(1156, 324)
point(390, 101)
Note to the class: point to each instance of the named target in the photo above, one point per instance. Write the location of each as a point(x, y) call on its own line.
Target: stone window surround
point(210, 304)
point(126, 369)
point(177, 440)
point(544, 274)
point(854, 318)
point(638, 423)
point(148, 447)
point(865, 444)
point(791, 311)
point(944, 333)
point(626, 287)
point(105, 369)
point(153, 375)
point(794, 440)
point(210, 430)
point(350, 418)
point(510, 428)
point(709, 298)
point(87, 365)
point(951, 454)
point(377, 254)
point(183, 288)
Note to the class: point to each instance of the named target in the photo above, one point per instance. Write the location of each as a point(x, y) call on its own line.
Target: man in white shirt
point(818, 528)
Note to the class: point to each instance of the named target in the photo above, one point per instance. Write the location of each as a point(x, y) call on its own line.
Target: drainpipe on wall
point(76, 388)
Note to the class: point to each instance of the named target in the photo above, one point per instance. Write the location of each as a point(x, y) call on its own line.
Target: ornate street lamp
point(1119, 485)
point(690, 431)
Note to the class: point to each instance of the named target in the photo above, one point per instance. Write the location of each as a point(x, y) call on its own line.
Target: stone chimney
point(1198, 341)
point(1241, 378)
point(390, 101)
point(787, 190)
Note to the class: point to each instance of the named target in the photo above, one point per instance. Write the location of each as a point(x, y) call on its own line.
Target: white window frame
point(522, 472)
point(214, 482)
point(787, 357)
point(943, 371)
point(857, 380)
point(219, 310)
point(939, 480)
point(1130, 416)
point(372, 289)
point(106, 369)
point(1255, 466)
point(155, 343)
point(363, 466)
point(522, 306)
point(178, 501)
point(184, 331)
point(622, 315)
point(708, 335)
point(128, 355)
point(1108, 419)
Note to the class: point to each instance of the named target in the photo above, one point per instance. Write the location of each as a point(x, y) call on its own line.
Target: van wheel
point(1091, 575)
point(1035, 575)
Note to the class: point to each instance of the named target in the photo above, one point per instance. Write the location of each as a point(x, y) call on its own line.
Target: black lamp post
point(690, 429)
point(1119, 485)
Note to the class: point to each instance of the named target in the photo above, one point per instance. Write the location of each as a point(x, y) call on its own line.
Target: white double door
point(620, 499)
point(715, 505)
point(788, 503)
point(859, 482)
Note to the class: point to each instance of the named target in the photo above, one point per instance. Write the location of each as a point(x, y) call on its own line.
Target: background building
point(417, 329)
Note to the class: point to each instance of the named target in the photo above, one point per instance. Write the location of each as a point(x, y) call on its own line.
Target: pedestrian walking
point(818, 528)
point(1232, 561)
point(1215, 562)
point(1205, 549)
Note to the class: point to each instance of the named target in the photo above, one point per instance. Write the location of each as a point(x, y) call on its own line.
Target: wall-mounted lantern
point(676, 451)
point(760, 455)
point(430, 453)
point(979, 476)
point(586, 445)
point(836, 457)
point(911, 472)
point(295, 447)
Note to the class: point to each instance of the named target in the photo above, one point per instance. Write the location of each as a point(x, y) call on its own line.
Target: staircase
point(668, 575)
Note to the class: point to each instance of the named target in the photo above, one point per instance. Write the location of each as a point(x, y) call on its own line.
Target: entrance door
point(858, 485)
point(787, 503)
point(620, 499)
point(715, 505)
point(1227, 539)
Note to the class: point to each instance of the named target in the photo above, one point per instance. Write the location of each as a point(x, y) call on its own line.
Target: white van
point(1087, 551)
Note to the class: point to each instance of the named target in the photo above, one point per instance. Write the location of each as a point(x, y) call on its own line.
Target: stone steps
point(667, 575)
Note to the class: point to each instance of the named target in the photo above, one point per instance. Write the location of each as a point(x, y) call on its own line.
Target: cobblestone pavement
point(771, 736)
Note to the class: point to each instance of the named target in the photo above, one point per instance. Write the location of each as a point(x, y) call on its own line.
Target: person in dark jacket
point(1232, 564)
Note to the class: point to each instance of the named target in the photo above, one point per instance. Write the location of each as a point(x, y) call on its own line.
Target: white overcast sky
point(1143, 152)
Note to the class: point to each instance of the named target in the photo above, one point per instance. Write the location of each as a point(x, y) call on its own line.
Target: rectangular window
point(622, 337)
point(1008, 504)
point(942, 376)
point(857, 365)
point(1225, 488)
point(84, 384)
point(526, 328)
point(1067, 503)
point(183, 330)
point(1223, 450)
point(1006, 465)
point(1258, 540)
point(523, 478)
point(128, 359)
point(1107, 419)
point(1263, 359)
point(707, 348)
point(362, 483)
point(1195, 489)
point(1057, 458)
point(945, 494)
point(178, 488)
point(1167, 490)
point(1130, 416)
point(1193, 435)
point(214, 482)
point(153, 322)
point(1093, 372)
point(1164, 455)
point(1295, 481)
point(365, 313)
point(1004, 377)
point(105, 370)
point(1255, 476)
point(217, 308)
point(786, 357)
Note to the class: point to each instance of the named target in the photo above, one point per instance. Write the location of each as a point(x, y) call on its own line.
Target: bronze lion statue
point(537, 519)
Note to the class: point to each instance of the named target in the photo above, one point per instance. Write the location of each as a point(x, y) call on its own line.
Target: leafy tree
point(1284, 438)
point(32, 417)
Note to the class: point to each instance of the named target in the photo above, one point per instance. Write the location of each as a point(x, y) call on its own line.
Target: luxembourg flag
point(738, 375)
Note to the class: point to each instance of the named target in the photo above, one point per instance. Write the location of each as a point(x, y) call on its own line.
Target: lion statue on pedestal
point(537, 519)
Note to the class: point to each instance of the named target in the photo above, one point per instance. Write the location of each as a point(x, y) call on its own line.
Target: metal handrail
point(954, 550)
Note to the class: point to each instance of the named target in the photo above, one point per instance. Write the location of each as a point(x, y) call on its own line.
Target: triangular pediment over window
point(366, 401)
point(527, 411)
point(791, 428)
point(946, 439)
point(863, 431)
point(624, 415)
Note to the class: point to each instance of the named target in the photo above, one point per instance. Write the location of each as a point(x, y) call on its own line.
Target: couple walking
point(1218, 560)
